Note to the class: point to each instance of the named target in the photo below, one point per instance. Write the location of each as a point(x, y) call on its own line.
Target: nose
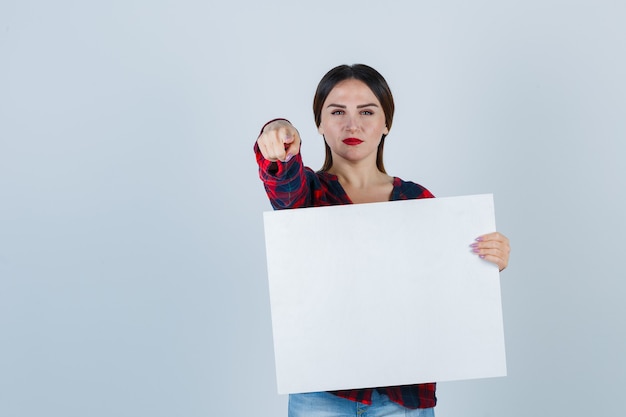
point(352, 125)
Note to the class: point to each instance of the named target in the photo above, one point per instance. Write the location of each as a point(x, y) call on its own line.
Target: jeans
point(324, 404)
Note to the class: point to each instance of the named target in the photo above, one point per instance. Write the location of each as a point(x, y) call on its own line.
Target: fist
point(279, 141)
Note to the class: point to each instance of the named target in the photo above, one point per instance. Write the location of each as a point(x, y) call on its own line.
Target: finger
point(276, 124)
point(497, 255)
point(288, 140)
point(492, 240)
point(272, 148)
point(496, 260)
point(281, 129)
point(292, 146)
point(264, 147)
point(277, 140)
point(493, 252)
point(495, 236)
point(491, 244)
point(281, 141)
point(482, 248)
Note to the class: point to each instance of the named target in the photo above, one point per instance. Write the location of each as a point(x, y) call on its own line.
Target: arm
point(277, 152)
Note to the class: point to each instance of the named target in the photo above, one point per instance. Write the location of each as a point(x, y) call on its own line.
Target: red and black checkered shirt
point(292, 185)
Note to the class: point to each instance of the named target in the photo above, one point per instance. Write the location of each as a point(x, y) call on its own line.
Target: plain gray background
point(132, 263)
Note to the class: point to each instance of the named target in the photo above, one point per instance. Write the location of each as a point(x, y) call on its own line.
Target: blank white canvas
point(383, 294)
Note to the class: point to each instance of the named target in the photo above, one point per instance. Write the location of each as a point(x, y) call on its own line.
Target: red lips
point(352, 141)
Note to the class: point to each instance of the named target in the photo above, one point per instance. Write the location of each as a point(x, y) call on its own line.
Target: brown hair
point(374, 81)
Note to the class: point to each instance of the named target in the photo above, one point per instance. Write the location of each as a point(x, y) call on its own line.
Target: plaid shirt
point(291, 185)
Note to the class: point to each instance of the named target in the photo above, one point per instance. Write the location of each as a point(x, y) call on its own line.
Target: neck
point(361, 174)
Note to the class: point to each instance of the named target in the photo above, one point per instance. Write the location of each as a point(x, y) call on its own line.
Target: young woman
point(353, 109)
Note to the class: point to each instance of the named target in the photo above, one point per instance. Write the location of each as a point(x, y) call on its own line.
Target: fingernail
point(476, 250)
point(288, 158)
point(481, 256)
point(479, 239)
point(474, 245)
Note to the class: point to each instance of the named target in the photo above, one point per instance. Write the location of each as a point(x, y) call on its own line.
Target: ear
point(386, 131)
point(320, 130)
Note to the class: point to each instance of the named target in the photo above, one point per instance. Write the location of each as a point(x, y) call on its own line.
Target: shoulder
point(406, 190)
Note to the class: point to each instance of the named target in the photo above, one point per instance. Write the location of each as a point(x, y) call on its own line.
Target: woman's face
point(353, 122)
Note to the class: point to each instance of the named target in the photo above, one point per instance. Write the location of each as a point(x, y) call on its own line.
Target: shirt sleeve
point(285, 182)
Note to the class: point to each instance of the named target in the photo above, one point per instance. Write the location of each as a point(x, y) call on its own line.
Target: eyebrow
point(360, 106)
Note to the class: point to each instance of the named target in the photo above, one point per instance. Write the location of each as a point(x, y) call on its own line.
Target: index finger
point(492, 236)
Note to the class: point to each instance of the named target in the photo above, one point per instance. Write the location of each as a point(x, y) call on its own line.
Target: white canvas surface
point(383, 294)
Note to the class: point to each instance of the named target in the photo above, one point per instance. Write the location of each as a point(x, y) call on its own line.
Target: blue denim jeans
point(324, 404)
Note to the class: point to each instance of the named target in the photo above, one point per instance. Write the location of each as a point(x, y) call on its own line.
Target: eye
point(367, 112)
point(337, 112)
